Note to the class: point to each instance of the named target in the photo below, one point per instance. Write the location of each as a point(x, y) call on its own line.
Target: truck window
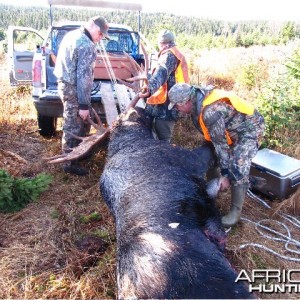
point(119, 42)
point(25, 40)
point(57, 36)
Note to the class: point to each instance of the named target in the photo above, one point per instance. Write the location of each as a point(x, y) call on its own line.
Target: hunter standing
point(74, 70)
point(171, 68)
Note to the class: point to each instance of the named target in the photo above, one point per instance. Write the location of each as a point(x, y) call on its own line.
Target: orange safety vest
point(181, 75)
point(229, 97)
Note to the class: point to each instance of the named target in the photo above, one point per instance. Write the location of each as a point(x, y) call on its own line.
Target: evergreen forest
point(191, 32)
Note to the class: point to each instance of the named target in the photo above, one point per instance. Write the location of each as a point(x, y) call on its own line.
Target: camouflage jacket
point(220, 117)
point(164, 72)
point(75, 64)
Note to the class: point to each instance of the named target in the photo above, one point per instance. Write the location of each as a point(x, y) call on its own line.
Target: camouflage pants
point(72, 121)
point(162, 129)
point(243, 151)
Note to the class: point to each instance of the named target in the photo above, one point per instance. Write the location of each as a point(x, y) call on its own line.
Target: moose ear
point(131, 115)
point(144, 119)
point(137, 115)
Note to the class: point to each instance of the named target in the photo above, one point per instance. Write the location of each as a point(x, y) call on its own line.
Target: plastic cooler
point(281, 172)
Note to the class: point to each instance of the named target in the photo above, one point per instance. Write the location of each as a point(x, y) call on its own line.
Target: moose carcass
point(165, 221)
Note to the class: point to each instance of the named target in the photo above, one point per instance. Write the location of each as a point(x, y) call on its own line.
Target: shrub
point(16, 193)
point(293, 64)
point(249, 75)
point(279, 103)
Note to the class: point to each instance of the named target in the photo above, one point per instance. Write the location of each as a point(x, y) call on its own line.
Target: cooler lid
point(276, 162)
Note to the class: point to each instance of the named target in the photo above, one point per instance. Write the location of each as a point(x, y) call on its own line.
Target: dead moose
point(168, 231)
point(169, 234)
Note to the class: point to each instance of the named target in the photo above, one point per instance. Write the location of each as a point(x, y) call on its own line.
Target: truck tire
point(47, 125)
point(12, 80)
point(141, 61)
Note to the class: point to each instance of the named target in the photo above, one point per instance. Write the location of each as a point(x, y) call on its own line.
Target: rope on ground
point(276, 235)
point(253, 196)
point(269, 250)
point(291, 219)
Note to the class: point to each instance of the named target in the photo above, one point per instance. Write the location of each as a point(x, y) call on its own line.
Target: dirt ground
point(55, 248)
point(54, 242)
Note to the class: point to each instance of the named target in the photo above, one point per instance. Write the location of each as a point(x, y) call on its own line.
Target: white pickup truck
point(32, 61)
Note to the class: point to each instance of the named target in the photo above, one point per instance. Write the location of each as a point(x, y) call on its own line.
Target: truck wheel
point(47, 125)
point(12, 80)
point(140, 61)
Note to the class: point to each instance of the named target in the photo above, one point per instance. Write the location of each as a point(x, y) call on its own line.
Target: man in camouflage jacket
point(171, 68)
point(233, 126)
point(74, 71)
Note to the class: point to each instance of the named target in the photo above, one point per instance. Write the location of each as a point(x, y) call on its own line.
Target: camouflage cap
point(102, 24)
point(166, 36)
point(179, 93)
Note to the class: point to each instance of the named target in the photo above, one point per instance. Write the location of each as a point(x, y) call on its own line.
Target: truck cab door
point(22, 44)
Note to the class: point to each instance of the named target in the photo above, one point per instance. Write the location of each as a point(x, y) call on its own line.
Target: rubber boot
point(73, 167)
point(238, 194)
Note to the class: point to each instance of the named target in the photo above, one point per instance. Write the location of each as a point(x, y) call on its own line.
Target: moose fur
point(169, 234)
